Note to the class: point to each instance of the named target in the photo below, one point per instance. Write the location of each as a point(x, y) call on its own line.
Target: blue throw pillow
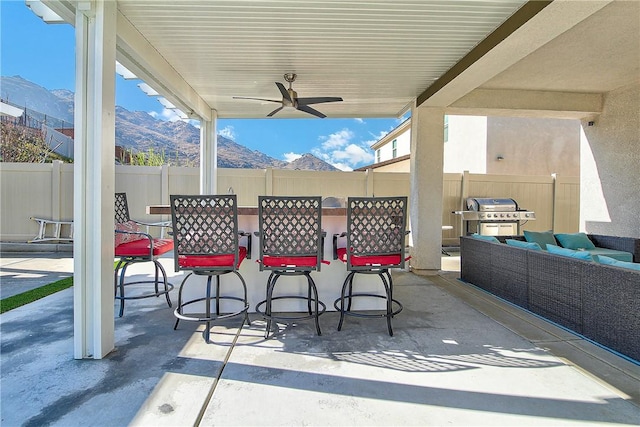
point(612, 261)
point(521, 244)
point(575, 241)
point(583, 255)
point(483, 237)
point(543, 238)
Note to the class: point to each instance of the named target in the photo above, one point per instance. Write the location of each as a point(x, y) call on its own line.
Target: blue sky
point(44, 54)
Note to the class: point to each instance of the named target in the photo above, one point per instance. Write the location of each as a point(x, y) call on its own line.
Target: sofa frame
point(600, 302)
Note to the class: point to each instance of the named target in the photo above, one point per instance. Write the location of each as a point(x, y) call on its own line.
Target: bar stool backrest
point(376, 227)
point(290, 227)
point(205, 225)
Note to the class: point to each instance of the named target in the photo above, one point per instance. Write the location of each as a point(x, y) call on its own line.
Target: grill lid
point(487, 204)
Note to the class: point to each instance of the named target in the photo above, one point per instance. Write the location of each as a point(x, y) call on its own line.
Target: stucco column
point(426, 188)
point(94, 179)
point(209, 155)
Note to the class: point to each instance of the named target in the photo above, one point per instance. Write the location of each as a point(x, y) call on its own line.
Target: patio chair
point(133, 246)
point(291, 244)
point(207, 243)
point(376, 230)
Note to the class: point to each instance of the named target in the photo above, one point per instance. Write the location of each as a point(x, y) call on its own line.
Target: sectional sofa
point(600, 302)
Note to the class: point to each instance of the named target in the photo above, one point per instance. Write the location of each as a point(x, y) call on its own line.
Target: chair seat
point(294, 261)
point(140, 248)
point(373, 260)
point(204, 261)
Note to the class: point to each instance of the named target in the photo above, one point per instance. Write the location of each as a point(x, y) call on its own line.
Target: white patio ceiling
point(379, 55)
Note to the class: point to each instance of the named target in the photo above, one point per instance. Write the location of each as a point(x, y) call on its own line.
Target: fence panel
point(320, 183)
point(46, 190)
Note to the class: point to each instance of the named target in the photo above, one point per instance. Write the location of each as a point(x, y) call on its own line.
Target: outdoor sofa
point(600, 302)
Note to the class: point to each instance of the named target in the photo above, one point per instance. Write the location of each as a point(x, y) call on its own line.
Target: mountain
point(139, 131)
point(310, 162)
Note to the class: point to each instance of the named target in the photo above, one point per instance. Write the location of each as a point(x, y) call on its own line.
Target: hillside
point(137, 130)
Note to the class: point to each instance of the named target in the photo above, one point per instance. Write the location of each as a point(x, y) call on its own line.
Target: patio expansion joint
point(212, 389)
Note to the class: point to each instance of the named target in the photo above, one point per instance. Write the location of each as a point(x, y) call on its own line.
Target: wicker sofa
point(600, 302)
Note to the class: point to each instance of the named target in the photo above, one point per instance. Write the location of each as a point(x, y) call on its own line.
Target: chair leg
point(389, 292)
point(347, 282)
point(312, 287)
point(271, 283)
point(179, 307)
point(122, 275)
point(246, 300)
point(166, 282)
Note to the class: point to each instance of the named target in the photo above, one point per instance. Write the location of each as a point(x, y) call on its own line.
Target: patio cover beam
point(531, 27)
point(141, 58)
point(528, 103)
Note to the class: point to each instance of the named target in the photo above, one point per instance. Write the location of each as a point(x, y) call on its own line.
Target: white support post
point(209, 155)
point(94, 178)
point(426, 189)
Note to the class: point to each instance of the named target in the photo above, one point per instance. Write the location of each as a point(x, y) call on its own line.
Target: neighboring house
point(492, 145)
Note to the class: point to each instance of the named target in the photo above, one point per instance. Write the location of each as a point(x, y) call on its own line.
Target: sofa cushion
point(522, 244)
point(612, 253)
point(612, 261)
point(543, 238)
point(557, 250)
point(487, 238)
point(574, 241)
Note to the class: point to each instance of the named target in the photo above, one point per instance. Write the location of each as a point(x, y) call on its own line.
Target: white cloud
point(290, 157)
point(354, 154)
point(228, 132)
point(342, 166)
point(359, 120)
point(338, 139)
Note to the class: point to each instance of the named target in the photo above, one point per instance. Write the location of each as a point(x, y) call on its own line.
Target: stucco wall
point(466, 146)
point(533, 146)
point(610, 173)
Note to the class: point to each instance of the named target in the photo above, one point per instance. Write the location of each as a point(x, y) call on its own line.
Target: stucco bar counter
point(328, 281)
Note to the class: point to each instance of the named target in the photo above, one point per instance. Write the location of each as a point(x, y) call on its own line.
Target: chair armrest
point(335, 243)
point(248, 236)
point(146, 235)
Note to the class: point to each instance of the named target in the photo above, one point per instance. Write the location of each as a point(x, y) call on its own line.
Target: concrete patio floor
point(458, 357)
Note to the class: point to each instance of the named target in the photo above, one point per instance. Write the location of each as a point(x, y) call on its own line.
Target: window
point(394, 148)
point(446, 128)
point(378, 155)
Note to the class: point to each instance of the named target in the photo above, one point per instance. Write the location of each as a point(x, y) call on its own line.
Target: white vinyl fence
point(46, 191)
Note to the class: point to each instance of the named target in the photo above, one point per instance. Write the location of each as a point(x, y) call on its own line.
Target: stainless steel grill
point(494, 216)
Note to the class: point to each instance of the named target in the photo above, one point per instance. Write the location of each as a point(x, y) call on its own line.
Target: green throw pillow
point(574, 241)
point(612, 261)
point(483, 237)
point(522, 244)
point(543, 238)
point(557, 250)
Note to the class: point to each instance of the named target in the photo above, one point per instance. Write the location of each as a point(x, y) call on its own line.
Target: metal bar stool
point(207, 243)
point(291, 244)
point(133, 246)
point(376, 230)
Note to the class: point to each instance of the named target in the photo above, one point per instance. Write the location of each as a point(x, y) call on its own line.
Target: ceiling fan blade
point(318, 100)
point(274, 111)
point(257, 99)
point(310, 110)
point(284, 92)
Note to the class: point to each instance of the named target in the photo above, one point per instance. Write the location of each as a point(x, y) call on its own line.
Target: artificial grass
point(18, 300)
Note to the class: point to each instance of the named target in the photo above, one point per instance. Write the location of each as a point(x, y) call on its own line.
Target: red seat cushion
point(204, 261)
point(140, 248)
point(293, 261)
point(372, 260)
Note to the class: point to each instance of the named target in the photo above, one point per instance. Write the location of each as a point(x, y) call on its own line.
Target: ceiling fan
point(290, 99)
